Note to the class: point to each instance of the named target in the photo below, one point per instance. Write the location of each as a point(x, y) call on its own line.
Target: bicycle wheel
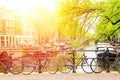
point(86, 66)
point(117, 65)
point(65, 65)
point(97, 65)
point(51, 65)
point(15, 66)
point(3, 67)
point(29, 65)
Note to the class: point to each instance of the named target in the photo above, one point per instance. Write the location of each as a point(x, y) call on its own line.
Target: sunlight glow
point(23, 6)
point(48, 4)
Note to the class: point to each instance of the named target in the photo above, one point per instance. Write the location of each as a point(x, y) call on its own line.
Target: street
point(60, 76)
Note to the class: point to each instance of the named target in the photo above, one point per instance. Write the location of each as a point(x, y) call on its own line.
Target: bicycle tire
point(15, 67)
point(65, 65)
point(117, 65)
point(51, 65)
point(86, 66)
point(3, 68)
point(29, 65)
point(97, 66)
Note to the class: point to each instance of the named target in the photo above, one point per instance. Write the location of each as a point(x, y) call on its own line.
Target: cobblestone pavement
point(60, 76)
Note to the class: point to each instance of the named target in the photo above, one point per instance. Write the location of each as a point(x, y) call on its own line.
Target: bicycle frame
point(81, 60)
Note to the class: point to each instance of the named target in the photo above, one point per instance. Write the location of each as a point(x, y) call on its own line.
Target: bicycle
point(67, 64)
point(106, 60)
point(7, 64)
point(39, 61)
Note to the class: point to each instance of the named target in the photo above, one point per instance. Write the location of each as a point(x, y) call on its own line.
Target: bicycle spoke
point(97, 66)
point(51, 65)
point(16, 66)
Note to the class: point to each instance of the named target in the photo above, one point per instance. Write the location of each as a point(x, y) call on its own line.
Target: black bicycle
point(106, 60)
point(67, 64)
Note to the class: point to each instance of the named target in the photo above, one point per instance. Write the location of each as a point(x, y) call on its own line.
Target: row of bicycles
point(64, 61)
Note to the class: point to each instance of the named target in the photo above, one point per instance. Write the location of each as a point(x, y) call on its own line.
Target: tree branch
point(115, 31)
point(113, 23)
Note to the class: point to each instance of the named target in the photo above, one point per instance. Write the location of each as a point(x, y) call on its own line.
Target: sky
point(24, 5)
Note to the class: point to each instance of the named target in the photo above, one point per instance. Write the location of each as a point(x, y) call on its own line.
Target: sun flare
point(23, 6)
point(48, 4)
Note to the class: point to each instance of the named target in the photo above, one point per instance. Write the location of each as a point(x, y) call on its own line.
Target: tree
point(109, 22)
point(75, 19)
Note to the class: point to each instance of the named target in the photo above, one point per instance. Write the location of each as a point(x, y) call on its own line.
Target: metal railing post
point(40, 67)
point(73, 55)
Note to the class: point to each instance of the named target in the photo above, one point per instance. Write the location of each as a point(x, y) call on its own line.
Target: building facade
point(12, 31)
